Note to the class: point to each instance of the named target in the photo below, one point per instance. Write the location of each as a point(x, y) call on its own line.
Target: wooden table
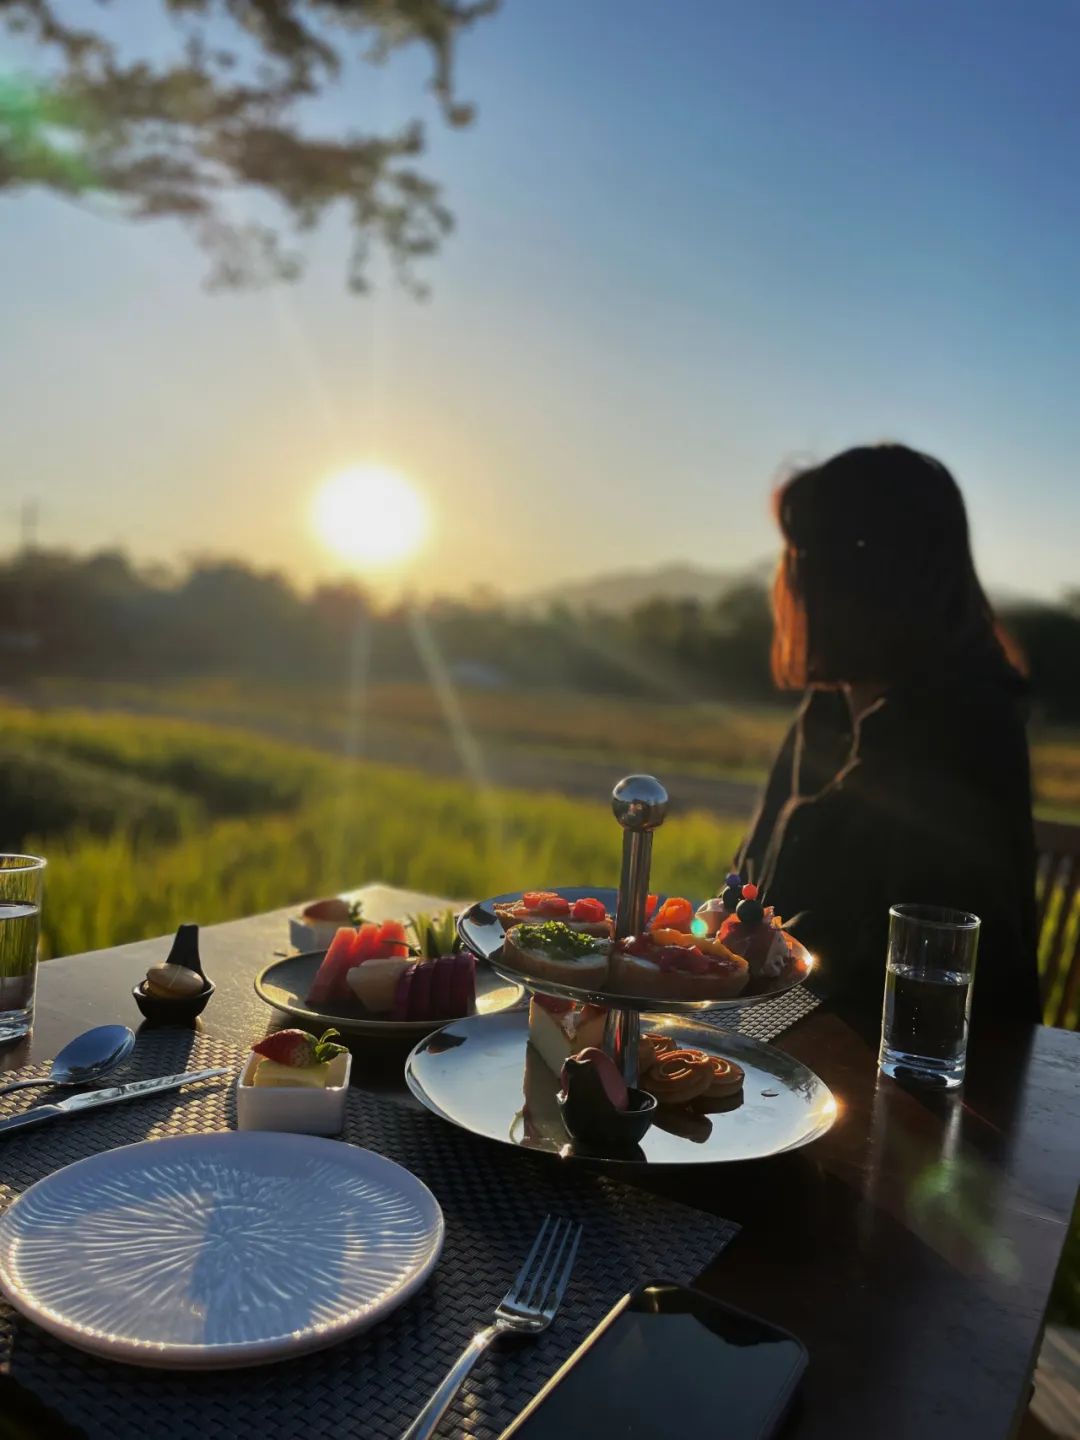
point(912, 1248)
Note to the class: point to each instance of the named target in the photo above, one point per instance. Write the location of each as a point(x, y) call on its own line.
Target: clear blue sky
point(695, 240)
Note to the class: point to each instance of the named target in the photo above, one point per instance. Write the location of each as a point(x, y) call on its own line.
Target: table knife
point(91, 1099)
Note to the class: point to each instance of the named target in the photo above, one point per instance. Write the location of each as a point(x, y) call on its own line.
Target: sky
point(697, 241)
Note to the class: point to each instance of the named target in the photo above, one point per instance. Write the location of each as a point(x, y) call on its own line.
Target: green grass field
point(707, 738)
point(211, 824)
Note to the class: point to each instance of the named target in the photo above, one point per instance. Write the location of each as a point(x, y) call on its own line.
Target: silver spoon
point(86, 1058)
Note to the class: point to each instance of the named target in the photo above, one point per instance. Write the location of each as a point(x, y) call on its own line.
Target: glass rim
point(936, 917)
point(29, 863)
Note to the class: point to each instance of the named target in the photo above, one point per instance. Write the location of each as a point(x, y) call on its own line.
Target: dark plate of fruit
point(387, 978)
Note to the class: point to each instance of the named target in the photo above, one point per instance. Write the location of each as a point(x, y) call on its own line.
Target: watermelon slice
point(329, 983)
point(392, 941)
point(367, 945)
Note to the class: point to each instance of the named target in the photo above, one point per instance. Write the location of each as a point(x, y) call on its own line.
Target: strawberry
point(333, 909)
point(297, 1047)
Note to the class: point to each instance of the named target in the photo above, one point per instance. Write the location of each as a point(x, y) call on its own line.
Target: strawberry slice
point(589, 910)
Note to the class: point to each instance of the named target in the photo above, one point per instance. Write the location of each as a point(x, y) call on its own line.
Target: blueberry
point(750, 912)
point(731, 897)
point(734, 880)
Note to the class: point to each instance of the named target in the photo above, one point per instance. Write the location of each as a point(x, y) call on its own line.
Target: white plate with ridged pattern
point(206, 1252)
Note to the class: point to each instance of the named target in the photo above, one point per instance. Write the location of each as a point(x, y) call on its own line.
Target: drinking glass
point(928, 979)
point(21, 883)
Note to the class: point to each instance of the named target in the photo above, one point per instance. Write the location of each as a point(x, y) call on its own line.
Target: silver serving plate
point(285, 983)
point(482, 931)
point(482, 1075)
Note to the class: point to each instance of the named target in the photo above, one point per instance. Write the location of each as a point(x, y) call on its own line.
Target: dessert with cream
point(294, 1058)
point(740, 920)
point(559, 1028)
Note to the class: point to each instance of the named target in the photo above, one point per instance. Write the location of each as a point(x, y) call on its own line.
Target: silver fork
point(526, 1309)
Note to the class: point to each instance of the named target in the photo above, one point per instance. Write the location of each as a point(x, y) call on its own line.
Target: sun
point(370, 515)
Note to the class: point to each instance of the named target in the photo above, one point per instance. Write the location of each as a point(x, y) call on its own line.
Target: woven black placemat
point(371, 1386)
point(766, 1021)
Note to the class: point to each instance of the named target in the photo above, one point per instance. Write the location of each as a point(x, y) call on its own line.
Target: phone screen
point(672, 1357)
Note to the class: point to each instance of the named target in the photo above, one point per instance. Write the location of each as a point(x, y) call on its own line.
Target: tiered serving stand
point(480, 1072)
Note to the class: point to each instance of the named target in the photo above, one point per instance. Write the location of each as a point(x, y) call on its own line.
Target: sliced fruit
point(420, 999)
point(367, 944)
point(403, 992)
point(391, 939)
point(442, 988)
point(375, 982)
point(463, 985)
point(329, 983)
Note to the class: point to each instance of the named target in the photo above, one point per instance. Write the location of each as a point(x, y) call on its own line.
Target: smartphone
point(670, 1356)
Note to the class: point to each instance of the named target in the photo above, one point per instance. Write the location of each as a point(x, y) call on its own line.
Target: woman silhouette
point(905, 776)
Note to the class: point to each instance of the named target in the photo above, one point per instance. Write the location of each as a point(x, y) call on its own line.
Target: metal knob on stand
point(640, 804)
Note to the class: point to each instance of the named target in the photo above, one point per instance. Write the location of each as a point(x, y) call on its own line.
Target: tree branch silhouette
point(185, 140)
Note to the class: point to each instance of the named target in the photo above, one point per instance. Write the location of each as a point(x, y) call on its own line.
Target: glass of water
point(928, 979)
point(21, 883)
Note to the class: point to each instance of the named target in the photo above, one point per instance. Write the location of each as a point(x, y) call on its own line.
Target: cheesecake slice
point(559, 1028)
point(273, 1073)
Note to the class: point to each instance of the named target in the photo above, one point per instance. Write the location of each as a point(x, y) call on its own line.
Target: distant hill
point(622, 590)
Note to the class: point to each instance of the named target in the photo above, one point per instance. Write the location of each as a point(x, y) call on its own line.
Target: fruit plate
point(206, 1252)
point(482, 931)
point(487, 1078)
point(285, 984)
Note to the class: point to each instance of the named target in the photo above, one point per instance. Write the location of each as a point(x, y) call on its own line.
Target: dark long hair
point(877, 582)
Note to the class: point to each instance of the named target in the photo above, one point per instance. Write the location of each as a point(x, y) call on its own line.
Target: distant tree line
point(102, 617)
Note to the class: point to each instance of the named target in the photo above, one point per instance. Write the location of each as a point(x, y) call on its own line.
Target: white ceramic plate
point(285, 985)
point(214, 1251)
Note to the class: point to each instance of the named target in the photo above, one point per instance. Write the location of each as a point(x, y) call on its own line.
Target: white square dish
point(302, 1109)
point(307, 936)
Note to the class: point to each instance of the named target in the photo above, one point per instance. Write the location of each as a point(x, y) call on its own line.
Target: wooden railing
point(1057, 898)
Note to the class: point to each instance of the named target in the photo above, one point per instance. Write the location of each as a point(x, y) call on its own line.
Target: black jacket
point(926, 801)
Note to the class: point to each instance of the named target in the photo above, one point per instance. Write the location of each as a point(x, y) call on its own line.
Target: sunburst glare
point(370, 515)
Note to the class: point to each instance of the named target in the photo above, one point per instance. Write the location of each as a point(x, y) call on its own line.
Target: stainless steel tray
point(481, 930)
point(481, 1074)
